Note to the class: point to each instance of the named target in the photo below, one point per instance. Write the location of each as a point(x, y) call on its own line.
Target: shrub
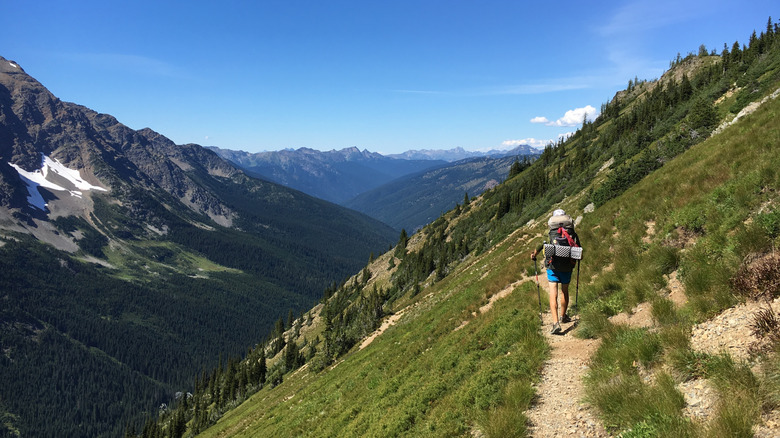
point(759, 278)
point(770, 222)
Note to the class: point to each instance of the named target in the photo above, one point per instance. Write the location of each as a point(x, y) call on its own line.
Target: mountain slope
point(669, 198)
point(130, 263)
point(335, 176)
point(412, 201)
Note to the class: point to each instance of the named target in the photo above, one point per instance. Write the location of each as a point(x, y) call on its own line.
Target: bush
point(692, 218)
point(770, 222)
point(759, 278)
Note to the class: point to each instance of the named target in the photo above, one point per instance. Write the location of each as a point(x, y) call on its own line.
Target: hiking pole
point(538, 292)
point(577, 292)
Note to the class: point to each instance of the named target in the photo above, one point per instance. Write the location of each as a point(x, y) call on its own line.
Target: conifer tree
point(403, 239)
point(515, 169)
point(261, 368)
point(290, 319)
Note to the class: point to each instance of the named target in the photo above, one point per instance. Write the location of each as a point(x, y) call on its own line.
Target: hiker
point(559, 269)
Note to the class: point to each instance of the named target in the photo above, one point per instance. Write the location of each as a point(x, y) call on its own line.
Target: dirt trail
point(386, 324)
point(558, 410)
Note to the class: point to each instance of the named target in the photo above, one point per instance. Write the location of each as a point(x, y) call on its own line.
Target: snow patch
point(12, 64)
point(38, 178)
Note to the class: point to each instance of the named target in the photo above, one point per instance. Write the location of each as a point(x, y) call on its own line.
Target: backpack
point(563, 248)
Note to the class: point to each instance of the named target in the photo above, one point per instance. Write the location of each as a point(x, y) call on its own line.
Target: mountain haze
point(458, 154)
point(412, 201)
point(335, 176)
point(405, 191)
point(130, 263)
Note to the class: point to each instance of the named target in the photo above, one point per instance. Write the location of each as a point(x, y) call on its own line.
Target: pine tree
point(514, 170)
point(686, 89)
point(736, 54)
point(262, 369)
point(400, 249)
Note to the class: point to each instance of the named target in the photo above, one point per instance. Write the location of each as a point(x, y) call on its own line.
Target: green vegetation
point(674, 200)
point(93, 341)
point(713, 213)
point(445, 379)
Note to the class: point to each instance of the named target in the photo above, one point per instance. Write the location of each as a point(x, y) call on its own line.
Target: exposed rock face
point(33, 122)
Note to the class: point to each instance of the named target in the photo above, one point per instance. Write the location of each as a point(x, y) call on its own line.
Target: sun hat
point(559, 212)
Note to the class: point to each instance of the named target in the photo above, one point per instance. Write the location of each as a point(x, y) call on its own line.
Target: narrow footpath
point(558, 410)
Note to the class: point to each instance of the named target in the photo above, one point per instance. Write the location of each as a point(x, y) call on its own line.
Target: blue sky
point(384, 76)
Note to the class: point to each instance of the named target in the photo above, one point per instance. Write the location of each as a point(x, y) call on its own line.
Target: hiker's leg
point(565, 298)
point(554, 300)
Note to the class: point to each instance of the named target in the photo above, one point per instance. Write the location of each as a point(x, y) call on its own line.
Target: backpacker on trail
point(563, 249)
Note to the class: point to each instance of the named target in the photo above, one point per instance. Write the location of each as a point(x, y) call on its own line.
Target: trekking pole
point(538, 292)
point(577, 292)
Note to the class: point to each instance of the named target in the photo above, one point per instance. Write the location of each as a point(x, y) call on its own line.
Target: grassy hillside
point(669, 197)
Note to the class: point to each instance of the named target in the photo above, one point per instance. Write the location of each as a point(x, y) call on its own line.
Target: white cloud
point(570, 118)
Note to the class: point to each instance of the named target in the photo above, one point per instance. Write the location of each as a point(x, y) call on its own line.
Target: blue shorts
point(558, 276)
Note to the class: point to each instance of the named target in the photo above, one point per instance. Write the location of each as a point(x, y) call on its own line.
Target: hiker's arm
point(536, 251)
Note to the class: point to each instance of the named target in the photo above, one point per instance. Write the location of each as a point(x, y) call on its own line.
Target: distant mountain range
point(403, 190)
point(459, 153)
point(335, 176)
point(129, 263)
point(412, 201)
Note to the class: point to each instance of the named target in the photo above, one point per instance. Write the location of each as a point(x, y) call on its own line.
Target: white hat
point(559, 212)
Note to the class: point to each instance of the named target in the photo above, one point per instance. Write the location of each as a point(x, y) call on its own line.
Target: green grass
point(445, 382)
point(706, 207)
point(137, 260)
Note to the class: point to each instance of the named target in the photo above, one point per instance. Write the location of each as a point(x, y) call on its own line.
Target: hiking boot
point(556, 329)
point(565, 318)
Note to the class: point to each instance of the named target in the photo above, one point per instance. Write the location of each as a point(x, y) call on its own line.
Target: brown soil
point(558, 410)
